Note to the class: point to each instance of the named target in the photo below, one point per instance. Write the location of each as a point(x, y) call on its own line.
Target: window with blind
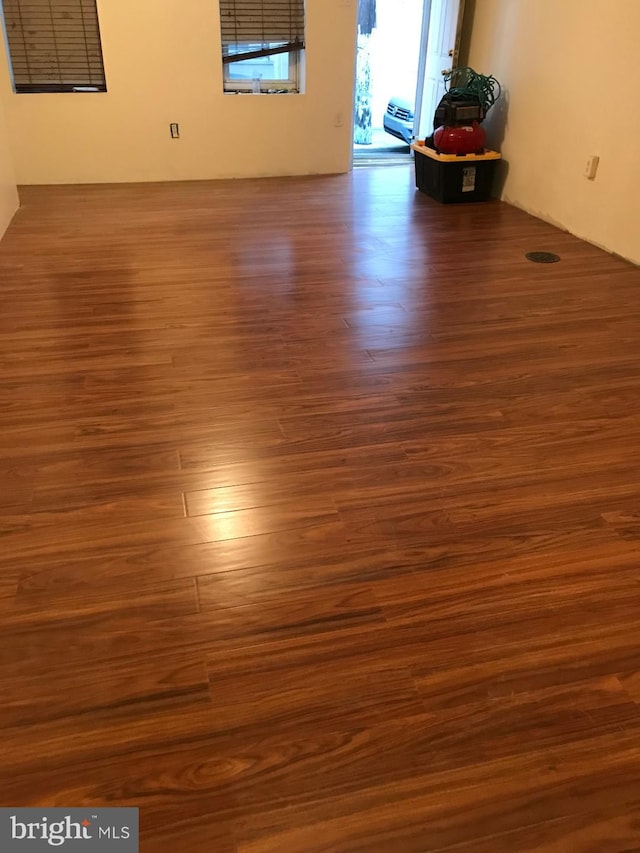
point(54, 45)
point(262, 45)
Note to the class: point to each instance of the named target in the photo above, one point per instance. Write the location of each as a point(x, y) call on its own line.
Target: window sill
point(60, 90)
point(268, 92)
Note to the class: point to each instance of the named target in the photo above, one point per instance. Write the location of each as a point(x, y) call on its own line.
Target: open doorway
point(388, 53)
point(403, 48)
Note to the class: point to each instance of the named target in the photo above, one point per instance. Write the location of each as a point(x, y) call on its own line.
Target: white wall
point(570, 69)
point(8, 192)
point(163, 64)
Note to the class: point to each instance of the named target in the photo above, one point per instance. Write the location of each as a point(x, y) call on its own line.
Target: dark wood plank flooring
point(320, 519)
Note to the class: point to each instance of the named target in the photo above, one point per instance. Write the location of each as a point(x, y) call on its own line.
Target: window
point(54, 45)
point(262, 45)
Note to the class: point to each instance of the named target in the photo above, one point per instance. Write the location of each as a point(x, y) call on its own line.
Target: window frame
point(256, 29)
point(290, 85)
point(56, 86)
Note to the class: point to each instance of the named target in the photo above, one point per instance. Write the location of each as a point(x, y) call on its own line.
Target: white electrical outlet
point(591, 169)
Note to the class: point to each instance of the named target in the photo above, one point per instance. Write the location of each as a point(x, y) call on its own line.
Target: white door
point(441, 42)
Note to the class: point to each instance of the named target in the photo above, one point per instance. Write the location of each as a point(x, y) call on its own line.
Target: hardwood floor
point(320, 519)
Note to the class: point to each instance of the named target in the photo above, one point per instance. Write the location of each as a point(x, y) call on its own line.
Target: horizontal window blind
point(274, 24)
point(54, 44)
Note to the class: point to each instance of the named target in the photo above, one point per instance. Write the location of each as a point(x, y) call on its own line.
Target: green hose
point(467, 83)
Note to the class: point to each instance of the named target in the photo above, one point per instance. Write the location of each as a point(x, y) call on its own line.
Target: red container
point(469, 139)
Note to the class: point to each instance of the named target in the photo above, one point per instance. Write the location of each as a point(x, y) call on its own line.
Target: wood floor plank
point(325, 538)
point(430, 812)
point(309, 698)
point(331, 542)
point(173, 622)
point(105, 692)
point(605, 830)
point(290, 471)
point(188, 837)
point(156, 600)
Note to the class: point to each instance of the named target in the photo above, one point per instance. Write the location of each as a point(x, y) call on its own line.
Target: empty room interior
point(320, 504)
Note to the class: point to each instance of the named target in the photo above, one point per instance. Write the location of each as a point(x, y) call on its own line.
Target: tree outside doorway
point(367, 19)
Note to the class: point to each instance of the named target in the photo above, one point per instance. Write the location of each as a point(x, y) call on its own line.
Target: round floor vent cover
point(542, 257)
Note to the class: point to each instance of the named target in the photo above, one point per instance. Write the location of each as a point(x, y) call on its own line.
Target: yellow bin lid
point(454, 158)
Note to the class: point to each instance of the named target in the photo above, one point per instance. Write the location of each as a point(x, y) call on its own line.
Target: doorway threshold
point(381, 158)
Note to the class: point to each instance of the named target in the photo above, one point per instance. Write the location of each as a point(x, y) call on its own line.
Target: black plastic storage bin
point(454, 180)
